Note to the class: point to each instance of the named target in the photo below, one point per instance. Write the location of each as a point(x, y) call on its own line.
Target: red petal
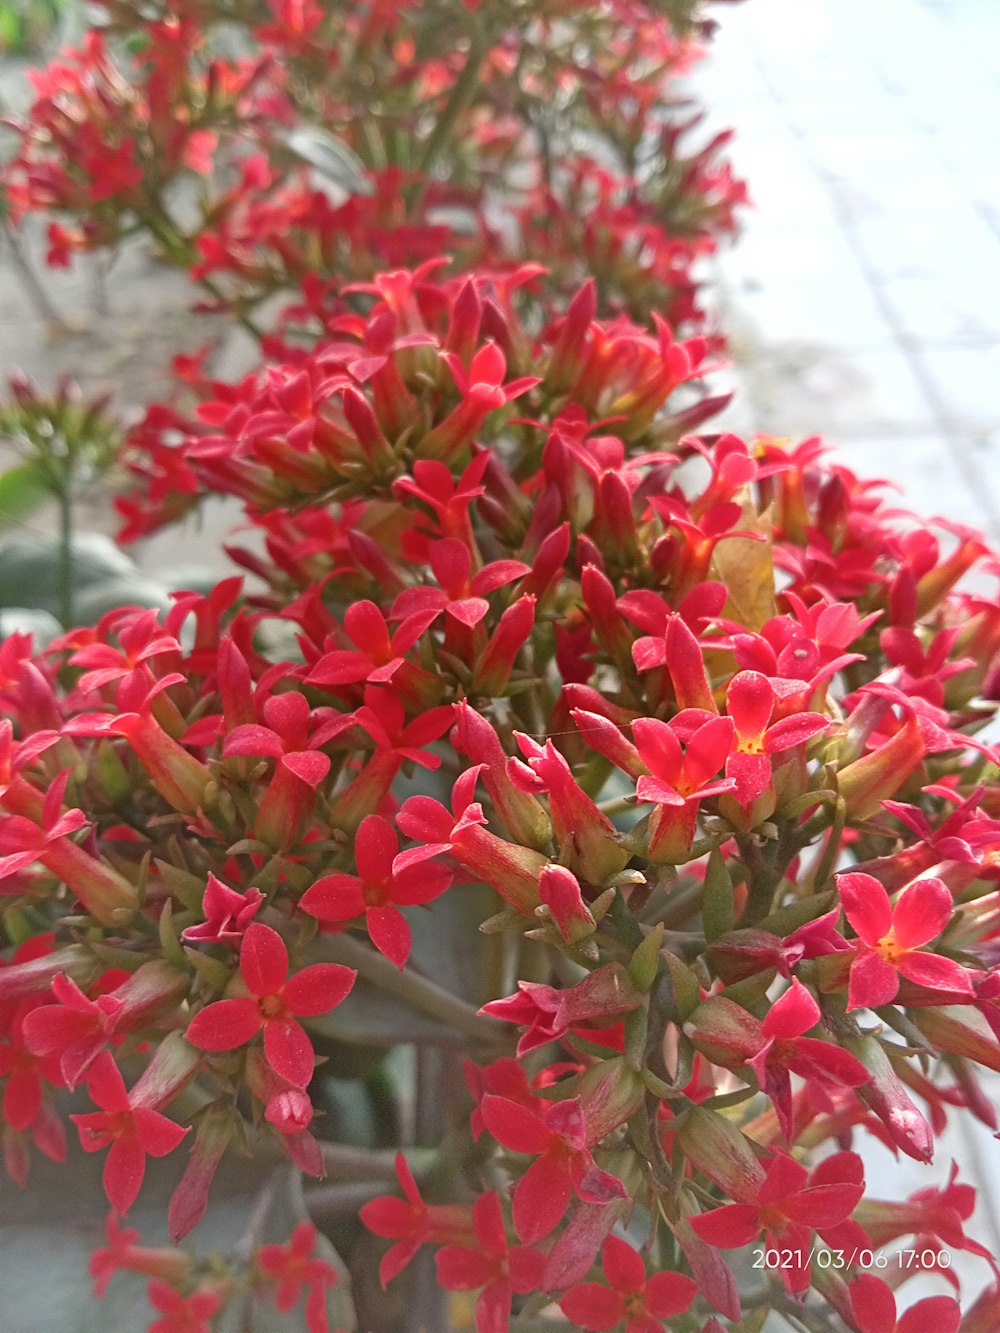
point(156, 1134)
point(943, 1314)
point(593, 1307)
point(396, 1259)
point(289, 1051)
point(375, 846)
point(750, 702)
point(390, 933)
point(253, 740)
point(668, 1294)
point(123, 1172)
point(462, 1269)
point(866, 905)
point(658, 747)
point(540, 1200)
point(420, 884)
point(106, 1085)
point(827, 1063)
point(823, 1205)
point(794, 730)
point(936, 973)
point(623, 1267)
point(727, 1228)
point(318, 989)
point(310, 766)
point(708, 749)
point(334, 898)
point(365, 624)
point(792, 1014)
point(652, 789)
point(469, 611)
point(785, 1176)
point(751, 774)
point(873, 1305)
point(921, 913)
point(515, 1126)
point(225, 1025)
point(872, 982)
point(22, 1098)
point(263, 960)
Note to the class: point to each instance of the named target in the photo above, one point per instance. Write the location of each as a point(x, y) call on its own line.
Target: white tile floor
point(863, 301)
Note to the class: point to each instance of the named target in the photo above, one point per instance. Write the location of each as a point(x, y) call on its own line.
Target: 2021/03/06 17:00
point(777, 1259)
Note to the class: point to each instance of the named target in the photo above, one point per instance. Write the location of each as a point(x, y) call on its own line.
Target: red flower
point(183, 1314)
point(788, 1209)
point(123, 1254)
point(495, 1267)
point(558, 1136)
point(750, 702)
point(874, 1308)
point(76, 1029)
point(294, 1267)
point(227, 913)
point(377, 891)
point(131, 1132)
point(890, 939)
point(786, 1050)
point(461, 594)
point(273, 1003)
point(632, 1297)
point(547, 1013)
point(411, 1223)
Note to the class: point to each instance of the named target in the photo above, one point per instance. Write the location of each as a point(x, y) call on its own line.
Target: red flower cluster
point(538, 711)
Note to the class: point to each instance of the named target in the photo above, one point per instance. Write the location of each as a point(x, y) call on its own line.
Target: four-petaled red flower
point(558, 1136)
point(890, 939)
point(294, 1266)
point(182, 1314)
point(640, 1301)
point(273, 1002)
point(378, 890)
point(411, 1223)
point(788, 1208)
point(498, 1269)
point(130, 1130)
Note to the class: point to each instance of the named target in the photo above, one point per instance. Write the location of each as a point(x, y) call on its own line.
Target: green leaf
point(718, 901)
point(22, 490)
point(330, 157)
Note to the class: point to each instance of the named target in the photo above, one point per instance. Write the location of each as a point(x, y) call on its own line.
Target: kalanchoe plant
point(571, 832)
point(283, 147)
point(667, 699)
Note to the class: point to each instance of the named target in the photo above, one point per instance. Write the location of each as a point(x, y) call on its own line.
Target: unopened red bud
point(559, 890)
point(290, 1111)
point(610, 1093)
point(717, 1148)
point(725, 1032)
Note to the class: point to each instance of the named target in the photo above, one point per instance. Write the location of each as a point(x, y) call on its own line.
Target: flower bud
point(721, 1152)
point(725, 1032)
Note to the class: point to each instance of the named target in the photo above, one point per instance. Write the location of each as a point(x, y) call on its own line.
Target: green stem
point(461, 94)
point(413, 989)
point(832, 848)
point(65, 566)
point(346, 1161)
